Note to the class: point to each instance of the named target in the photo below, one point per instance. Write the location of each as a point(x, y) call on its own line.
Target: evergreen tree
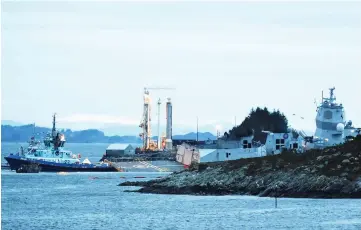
point(257, 121)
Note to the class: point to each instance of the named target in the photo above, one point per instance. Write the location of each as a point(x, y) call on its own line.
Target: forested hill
point(258, 120)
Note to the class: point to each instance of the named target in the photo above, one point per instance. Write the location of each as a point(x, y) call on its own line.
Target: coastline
point(334, 172)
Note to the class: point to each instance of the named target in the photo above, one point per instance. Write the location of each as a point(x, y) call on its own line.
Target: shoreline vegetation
point(333, 172)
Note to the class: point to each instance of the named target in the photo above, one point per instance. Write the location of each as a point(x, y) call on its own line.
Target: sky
point(89, 61)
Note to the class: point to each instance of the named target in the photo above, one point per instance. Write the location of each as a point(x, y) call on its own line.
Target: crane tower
point(169, 116)
point(145, 124)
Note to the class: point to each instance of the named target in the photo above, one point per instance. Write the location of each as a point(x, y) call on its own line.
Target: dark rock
point(319, 158)
point(316, 174)
point(344, 174)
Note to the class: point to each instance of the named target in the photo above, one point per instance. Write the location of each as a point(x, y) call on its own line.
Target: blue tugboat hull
point(45, 166)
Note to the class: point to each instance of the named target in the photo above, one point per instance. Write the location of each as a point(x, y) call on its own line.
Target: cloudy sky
point(89, 61)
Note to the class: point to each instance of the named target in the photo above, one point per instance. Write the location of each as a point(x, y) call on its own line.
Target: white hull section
point(214, 155)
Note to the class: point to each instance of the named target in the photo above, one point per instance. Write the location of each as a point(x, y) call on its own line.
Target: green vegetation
point(258, 120)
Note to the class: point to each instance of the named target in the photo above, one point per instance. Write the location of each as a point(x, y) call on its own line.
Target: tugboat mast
point(53, 131)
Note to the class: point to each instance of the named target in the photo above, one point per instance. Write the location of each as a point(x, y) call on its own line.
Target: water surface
point(94, 201)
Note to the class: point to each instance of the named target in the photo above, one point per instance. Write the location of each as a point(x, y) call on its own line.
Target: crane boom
point(158, 88)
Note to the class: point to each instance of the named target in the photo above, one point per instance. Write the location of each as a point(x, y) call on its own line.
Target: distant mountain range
point(9, 122)
point(22, 133)
point(193, 136)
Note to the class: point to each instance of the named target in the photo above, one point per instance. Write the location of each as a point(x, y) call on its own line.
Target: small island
point(333, 172)
point(329, 173)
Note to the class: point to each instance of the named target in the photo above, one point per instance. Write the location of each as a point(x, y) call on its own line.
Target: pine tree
point(257, 121)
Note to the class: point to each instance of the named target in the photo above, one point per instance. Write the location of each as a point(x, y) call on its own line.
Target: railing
point(110, 163)
point(141, 159)
point(149, 165)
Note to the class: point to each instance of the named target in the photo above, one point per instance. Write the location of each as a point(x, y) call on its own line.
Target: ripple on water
point(51, 201)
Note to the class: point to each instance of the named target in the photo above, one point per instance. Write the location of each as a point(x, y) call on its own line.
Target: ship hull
point(15, 163)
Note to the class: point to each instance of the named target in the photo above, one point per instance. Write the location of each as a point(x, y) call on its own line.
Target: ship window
point(327, 114)
point(280, 143)
point(295, 145)
point(249, 145)
point(245, 144)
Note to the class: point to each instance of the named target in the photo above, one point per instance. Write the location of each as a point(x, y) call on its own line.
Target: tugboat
point(52, 157)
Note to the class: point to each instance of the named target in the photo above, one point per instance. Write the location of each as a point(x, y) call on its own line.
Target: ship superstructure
point(332, 128)
point(330, 120)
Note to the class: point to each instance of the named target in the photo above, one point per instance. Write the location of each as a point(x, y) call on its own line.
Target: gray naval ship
point(332, 129)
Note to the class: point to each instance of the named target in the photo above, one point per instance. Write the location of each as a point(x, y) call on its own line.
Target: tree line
point(258, 120)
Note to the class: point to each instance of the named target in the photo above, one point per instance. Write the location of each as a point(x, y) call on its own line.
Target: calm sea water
point(94, 201)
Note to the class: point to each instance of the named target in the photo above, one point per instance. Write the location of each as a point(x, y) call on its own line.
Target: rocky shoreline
point(333, 172)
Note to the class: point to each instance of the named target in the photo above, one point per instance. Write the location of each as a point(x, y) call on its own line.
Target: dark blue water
point(80, 201)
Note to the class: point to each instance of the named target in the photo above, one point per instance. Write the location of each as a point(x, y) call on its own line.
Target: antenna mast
point(54, 129)
point(322, 97)
point(332, 96)
point(197, 129)
point(159, 139)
